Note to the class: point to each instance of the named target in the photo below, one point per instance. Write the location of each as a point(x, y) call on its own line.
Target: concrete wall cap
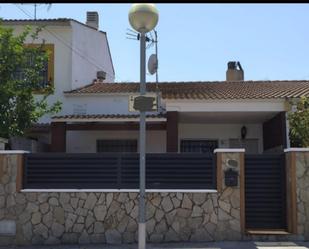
point(13, 152)
point(227, 150)
point(296, 150)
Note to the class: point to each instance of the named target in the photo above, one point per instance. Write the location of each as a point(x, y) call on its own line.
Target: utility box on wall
point(231, 178)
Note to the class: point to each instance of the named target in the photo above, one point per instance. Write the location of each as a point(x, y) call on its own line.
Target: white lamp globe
point(143, 17)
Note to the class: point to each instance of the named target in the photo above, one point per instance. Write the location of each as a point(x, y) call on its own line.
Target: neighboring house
point(77, 52)
point(197, 116)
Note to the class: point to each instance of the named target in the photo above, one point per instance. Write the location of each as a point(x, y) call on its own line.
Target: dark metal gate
point(265, 191)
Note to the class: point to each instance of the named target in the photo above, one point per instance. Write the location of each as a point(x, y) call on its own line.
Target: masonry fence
point(53, 199)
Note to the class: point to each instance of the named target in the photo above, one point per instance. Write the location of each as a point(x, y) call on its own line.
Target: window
point(198, 146)
point(47, 73)
point(127, 145)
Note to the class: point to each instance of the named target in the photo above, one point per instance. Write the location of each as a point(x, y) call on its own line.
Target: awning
point(158, 117)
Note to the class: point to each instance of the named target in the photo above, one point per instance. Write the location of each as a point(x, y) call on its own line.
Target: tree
point(299, 124)
point(20, 77)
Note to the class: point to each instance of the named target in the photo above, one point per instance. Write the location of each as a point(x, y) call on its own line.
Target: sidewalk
point(209, 245)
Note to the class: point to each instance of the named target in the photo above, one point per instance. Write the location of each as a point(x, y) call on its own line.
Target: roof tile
point(206, 90)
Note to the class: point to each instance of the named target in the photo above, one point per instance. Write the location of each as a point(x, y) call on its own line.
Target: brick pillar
point(58, 137)
point(234, 194)
point(172, 132)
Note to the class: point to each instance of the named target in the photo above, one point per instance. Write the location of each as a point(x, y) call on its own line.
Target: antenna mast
point(156, 41)
point(35, 11)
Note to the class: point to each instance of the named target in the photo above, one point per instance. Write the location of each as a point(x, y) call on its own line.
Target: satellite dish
point(152, 64)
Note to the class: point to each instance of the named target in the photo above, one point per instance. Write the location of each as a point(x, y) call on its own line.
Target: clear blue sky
point(197, 40)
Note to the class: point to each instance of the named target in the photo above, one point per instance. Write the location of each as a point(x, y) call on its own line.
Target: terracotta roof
point(107, 116)
point(207, 89)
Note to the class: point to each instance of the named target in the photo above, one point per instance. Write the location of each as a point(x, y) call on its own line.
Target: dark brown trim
point(58, 137)
point(242, 192)
point(19, 174)
point(172, 131)
point(274, 132)
point(124, 126)
point(2, 166)
point(219, 172)
point(291, 192)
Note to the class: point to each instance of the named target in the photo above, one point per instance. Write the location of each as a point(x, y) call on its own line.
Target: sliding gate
point(265, 191)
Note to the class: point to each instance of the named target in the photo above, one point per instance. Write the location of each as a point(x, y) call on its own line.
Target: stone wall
point(79, 217)
point(302, 186)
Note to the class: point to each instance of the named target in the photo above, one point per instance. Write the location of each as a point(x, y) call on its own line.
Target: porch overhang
point(108, 118)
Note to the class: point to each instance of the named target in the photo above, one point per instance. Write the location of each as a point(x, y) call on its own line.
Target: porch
point(174, 131)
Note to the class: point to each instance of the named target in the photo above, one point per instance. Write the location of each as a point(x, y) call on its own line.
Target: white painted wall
point(243, 105)
point(117, 104)
point(93, 55)
point(85, 141)
point(221, 132)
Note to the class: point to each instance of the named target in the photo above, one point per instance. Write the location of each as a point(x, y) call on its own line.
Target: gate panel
point(265, 191)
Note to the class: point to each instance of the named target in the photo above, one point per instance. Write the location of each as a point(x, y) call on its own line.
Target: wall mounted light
point(243, 132)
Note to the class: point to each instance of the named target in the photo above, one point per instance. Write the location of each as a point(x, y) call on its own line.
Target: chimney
point(234, 71)
point(101, 76)
point(93, 19)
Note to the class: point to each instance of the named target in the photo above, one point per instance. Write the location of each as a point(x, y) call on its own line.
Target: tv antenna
point(36, 5)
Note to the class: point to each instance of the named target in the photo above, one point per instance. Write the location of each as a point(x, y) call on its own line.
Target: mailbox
point(231, 178)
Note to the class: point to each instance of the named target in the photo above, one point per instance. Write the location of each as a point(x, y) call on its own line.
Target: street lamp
point(143, 18)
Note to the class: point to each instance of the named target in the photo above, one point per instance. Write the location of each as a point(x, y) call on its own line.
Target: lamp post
point(143, 18)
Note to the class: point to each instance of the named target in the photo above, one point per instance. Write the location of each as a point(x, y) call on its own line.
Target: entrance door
point(265, 191)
